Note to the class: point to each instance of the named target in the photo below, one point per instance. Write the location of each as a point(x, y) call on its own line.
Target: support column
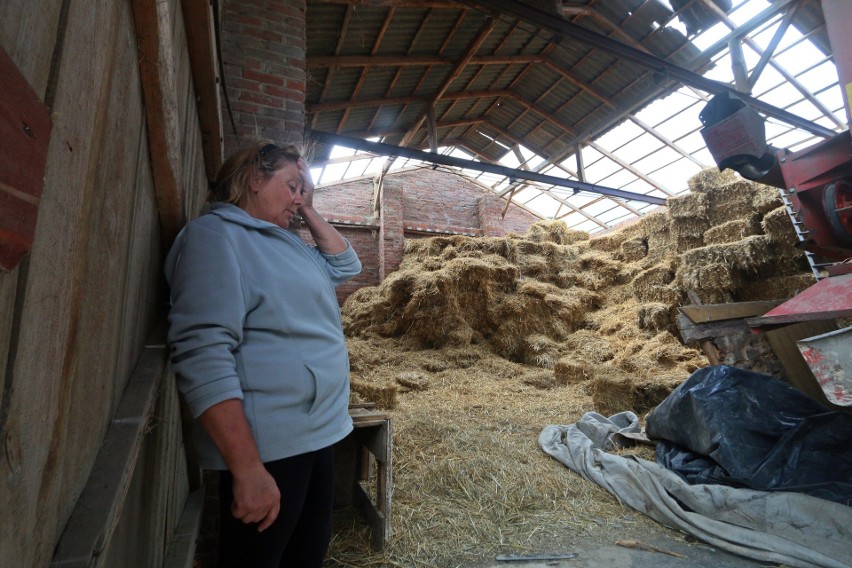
point(391, 235)
point(490, 211)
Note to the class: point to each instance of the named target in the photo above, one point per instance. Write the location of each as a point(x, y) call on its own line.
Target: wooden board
point(95, 383)
point(717, 312)
point(181, 551)
point(157, 67)
point(41, 379)
point(29, 30)
point(93, 287)
point(96, 514)
point(198, 15)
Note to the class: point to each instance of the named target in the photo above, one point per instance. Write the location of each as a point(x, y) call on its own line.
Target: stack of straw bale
point(527, 296)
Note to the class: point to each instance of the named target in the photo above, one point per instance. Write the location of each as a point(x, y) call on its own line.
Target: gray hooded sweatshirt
point(254, 317)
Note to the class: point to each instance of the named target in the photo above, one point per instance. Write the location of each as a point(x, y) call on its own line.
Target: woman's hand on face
point(256, 498)
point(307, 184)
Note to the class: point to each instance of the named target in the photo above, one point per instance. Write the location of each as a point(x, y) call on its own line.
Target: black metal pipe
point(383, 149)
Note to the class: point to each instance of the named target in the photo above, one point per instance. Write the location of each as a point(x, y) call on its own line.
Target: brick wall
point(263, 51)
point(437, 198)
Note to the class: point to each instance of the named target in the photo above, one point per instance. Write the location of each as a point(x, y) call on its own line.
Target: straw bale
point(615, 320)
point(646, 284)
point(656, 317)
point(731, 231)
point(384, 396)
point(603, 266)
point(778, 226)
point(776, 287)
point(765, 198)
point(569, 371)
point(540, 380)
point(554, 231)
point(731, 201)
point(685, 243)
point(709, 276)
point(745, 254)
point(660, 243)
point(689, 226)
point(710, 178)
point(539, 308)
point(607, 243)
point(688, 206)
point(588, 346)
point(361, 305)
point(540, 351)
point(417, 249)
point(657, 220)
point(634, 249)
point(615, 392)
point(611, 240)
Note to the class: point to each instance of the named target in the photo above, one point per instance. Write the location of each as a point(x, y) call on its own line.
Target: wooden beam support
point(630, 168)
point(671, 144)
point(773, 45)
point(472, 48)
point(201, 42)
point(800, 123)
point(153, 33)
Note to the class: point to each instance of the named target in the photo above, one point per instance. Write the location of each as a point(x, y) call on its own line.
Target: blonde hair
point(261, 158)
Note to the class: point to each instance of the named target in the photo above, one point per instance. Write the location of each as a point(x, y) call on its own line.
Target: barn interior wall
point(78, 311)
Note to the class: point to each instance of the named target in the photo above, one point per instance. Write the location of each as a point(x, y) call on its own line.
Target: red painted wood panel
point(24, 136)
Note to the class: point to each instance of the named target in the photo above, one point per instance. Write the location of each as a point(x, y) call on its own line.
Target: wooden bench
point(363, 481)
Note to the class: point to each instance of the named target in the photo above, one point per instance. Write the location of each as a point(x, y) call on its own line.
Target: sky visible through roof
point(630, 157)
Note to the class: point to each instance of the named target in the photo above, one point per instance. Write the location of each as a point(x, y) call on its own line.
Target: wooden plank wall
point(77, 311)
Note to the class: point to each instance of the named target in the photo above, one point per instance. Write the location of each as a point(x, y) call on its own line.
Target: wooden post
point(153, 33)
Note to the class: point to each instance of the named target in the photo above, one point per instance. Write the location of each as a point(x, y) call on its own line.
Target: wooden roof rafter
point(775, 65)
point(366, 69)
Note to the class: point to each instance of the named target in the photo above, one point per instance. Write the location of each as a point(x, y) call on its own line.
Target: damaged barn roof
point(604, 93)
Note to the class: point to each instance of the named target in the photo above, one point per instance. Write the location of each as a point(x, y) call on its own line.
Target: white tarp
point(788, 528)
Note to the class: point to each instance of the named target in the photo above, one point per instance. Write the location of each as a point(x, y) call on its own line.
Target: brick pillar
point(263, 51)
point(489, 209)
point(391, 229)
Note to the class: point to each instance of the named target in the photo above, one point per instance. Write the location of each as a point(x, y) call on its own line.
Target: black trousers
point(300, 535)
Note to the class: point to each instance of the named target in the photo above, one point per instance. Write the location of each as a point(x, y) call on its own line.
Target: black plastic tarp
point(734, 427)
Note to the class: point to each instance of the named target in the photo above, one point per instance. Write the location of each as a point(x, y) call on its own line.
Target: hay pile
point(475, 344)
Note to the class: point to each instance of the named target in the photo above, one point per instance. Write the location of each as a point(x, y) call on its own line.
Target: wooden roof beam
point(328, 79)
point(486, 29)
point(629, 167)
point(781, 70)
point(629, 54)
point(366, 70)
point(335, 61)
point(659, 136)
point(397, 3)
point(154, 38)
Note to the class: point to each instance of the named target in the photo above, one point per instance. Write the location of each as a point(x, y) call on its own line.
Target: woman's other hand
point(256, 497)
